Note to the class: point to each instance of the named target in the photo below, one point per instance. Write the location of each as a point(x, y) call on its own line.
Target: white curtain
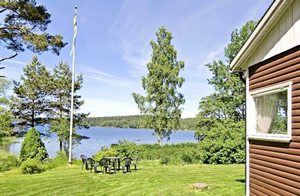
point(266, 110)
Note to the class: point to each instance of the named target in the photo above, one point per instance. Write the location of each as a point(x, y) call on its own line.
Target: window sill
point(283, 139)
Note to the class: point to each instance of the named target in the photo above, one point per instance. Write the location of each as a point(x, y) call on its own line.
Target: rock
point(199, 185)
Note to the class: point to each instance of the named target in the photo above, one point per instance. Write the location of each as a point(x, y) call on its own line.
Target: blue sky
point(113, 45)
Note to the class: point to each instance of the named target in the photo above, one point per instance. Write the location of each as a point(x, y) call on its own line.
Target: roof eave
point(270, 17)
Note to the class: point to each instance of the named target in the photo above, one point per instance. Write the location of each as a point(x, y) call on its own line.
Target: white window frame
point(251, 118)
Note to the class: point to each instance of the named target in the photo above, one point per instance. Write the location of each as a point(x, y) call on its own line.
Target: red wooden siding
point(274, 166)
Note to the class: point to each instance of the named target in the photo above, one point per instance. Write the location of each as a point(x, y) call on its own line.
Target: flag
point(75, 32)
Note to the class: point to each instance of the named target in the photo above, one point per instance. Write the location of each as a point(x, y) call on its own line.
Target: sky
point(113, 45)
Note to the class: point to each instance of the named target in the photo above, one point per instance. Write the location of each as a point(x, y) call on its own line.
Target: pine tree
point(61, 102)
point(161, 104)
point(31, 103)
point(24, 26)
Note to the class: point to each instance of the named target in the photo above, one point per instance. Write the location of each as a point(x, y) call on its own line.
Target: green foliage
point(228, 101)
point(24, 26)
point(164, 160)
point(8, 162)
point(33, 147)
point(187, 158)
point(105, 152)
point(167, 154)
point(31, 101)
point(134, 121)
point(226, 105)
point(238, 39)
point(60, 104)
point(224, 143)
point(161, 105)
point(5, 114)
point(60, 160)
point(32, 166)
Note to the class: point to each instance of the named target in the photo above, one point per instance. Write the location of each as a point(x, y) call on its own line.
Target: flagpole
point(72, 90)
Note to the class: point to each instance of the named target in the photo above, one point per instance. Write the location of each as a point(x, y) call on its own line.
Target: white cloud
point(17, 62)
point(136, 57)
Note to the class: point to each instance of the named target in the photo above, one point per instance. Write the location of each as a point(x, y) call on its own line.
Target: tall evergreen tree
point(162, 103)
point(24, 25)
point(61, 102)
point(31, 102)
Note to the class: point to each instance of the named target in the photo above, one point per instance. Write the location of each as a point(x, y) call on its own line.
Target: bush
point(32, 166)
point(224, 143)
point(105, 152)
point(166, 154)
point(61, 159)
point(33, 147)
point(8, 162)
point(126, 148)
point(187, 158)
point(164, 160)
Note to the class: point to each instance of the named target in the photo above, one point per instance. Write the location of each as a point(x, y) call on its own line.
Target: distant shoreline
point(134, 122)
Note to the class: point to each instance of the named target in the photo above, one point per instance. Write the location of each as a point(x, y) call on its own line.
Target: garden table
point(114, 161)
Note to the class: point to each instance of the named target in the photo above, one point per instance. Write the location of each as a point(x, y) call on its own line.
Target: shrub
point(105, 152)
point(224, 143)
point(166, 154)
point(60, 160)
point(33, 146)
point(127, 148)
point(32, 166)
point(164, 160)
point(187, 158)
point(8, 162)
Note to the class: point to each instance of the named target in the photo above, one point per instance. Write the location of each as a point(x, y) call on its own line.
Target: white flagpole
point(72, 91)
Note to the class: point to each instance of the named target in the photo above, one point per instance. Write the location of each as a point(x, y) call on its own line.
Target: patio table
point(114, 161)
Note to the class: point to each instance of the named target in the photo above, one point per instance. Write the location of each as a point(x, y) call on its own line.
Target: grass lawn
point(150, 179)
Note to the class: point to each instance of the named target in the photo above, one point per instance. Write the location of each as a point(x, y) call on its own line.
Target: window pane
point(271, 113)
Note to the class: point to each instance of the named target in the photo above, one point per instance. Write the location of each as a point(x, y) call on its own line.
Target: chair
point(104, 163)
point(134, 162)
point(127, 163)
point(93, 164)
point(84, 162)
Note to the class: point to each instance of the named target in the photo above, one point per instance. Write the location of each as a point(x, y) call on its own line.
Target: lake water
point(103, 136)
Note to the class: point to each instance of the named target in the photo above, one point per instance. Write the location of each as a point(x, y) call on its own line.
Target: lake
point(103, 136)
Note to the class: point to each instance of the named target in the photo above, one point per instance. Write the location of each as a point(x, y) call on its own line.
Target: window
point(272, 113)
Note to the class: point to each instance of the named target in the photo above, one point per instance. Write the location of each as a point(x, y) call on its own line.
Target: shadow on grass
point(241, 180)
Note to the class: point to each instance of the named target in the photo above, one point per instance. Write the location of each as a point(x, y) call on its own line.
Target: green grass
point(150, 179)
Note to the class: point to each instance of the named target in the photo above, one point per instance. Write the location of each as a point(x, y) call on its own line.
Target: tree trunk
point(60, 146)
point(32, 114)
point(159, 137)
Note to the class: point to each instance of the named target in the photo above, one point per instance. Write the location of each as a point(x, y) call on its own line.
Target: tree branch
point(3, 10)
point(6, 58)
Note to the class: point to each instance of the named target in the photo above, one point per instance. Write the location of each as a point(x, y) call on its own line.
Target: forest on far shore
point(134, 121)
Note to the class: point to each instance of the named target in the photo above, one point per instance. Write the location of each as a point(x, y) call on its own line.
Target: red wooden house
point(270, 60)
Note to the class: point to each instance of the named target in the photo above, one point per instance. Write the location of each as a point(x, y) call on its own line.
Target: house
point(270, 61)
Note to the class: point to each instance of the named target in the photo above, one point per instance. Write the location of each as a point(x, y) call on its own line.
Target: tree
point(228, 100)
point(33, 147)
point(32, 100)
point(5, 114)
point(162, 101)
point(61, 103)
point(222, 114)
point(24, 26)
